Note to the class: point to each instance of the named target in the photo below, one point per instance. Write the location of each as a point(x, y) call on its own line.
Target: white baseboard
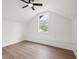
point(64, 45)
point(13, 42)
point(75, 52)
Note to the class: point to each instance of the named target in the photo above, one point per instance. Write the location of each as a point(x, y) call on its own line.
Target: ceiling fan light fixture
point(30, 5)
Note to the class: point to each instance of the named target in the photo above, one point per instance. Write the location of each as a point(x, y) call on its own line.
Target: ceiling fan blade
point(29, 1)
point(37, 4)
point(24, 1)
point(24, 6)
point(33, 8)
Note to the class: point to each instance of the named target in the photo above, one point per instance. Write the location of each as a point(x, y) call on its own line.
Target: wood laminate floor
point(30, 50)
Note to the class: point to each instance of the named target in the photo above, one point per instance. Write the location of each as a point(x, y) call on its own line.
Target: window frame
point(39, 23)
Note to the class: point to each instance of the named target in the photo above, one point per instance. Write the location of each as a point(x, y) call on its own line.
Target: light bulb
point(30, 5)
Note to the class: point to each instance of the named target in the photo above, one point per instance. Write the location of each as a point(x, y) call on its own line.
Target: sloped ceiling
point(12, 9)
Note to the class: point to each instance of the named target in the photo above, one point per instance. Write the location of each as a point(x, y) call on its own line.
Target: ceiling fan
point(30, 3)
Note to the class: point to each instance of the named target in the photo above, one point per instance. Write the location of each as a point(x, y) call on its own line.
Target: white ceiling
point(12, 9)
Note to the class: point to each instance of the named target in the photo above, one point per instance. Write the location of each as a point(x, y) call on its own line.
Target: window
point(43, 23)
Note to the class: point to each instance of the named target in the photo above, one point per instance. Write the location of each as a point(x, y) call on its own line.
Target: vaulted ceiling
point(12, 9)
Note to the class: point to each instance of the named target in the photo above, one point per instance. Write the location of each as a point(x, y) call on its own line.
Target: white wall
point(60, 28)
point(12, 32)
point(74, 31)
point(59, 33)
point(33, 30)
